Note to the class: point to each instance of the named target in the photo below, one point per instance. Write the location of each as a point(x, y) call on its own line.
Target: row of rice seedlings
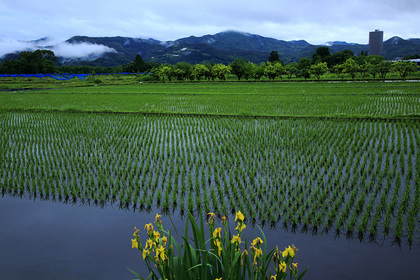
point(169, 142)
point(391, 104)
point(363, 104)
point(371, 181)
point(413, 212)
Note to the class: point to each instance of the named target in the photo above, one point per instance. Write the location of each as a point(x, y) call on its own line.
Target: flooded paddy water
point(52, 240)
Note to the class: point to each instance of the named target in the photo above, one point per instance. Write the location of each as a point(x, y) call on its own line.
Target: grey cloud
point(61, 49)
point(80, 50)
point(11, 45)
point(314, 21)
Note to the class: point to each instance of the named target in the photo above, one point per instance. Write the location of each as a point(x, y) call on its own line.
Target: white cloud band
point(63, 49)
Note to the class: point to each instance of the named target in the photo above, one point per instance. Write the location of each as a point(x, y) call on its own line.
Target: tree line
point(322, 62)
point(45, 61)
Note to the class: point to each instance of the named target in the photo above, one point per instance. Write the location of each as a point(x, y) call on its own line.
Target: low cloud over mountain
point(66, 50)
point(81, 50)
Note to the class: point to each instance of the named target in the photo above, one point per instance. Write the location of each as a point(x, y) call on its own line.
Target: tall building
point(376, 42)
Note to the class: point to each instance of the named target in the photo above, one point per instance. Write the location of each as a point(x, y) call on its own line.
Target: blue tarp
point(62, 76)
point(81, 76)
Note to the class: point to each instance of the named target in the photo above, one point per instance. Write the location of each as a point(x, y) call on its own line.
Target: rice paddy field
point(327, 99)
point(314, 157)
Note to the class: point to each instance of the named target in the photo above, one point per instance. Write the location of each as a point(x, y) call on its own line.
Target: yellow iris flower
point(134, 243)
point(216, 232)
point(157, 217)
point(239, 216)
point(145, 253)
point(211, 219)
point(282, 267)
point(289, 252)
point(149, 227)
point(211, 215)
point(257, 241)
point(274, 277)
point(160, 253)
point(156, 234)
point(219, 248)
point(149, 244)
point(240, 228)
point(236, 239)
point(258, 253)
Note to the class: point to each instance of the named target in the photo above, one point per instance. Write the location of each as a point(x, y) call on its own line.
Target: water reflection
point(67, 239)
point(293, 228)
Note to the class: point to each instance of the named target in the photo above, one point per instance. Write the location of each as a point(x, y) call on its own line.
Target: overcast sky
point(316, 21)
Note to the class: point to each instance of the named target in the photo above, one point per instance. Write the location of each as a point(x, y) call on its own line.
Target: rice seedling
point(308, 172)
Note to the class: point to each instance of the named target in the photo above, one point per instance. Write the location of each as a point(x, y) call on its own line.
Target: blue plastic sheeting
point(62, 77)
point(82, 77)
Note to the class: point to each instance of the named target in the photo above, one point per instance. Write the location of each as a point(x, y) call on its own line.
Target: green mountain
point(397, 47)
point(222, 47)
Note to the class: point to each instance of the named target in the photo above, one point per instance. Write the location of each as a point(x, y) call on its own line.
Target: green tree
point(339, 58)
point(319, 69)
point(364, 69)
point(248, 71)
point(373, 69)
point(273, 70)
point(156, 74)
point(304, 67)
point(179, 74)
point(257, 71)
point(200, 70)
point(240, 68)
point(138, 65)
point(374, 59)
point(351, 67)
point(274, 57)
point(323, 51)
point(339, 70)
point(166, 70)
point(321, 54)
point(290, 69)
point(384, 68)
point(404, 67)
point(210, 75)
point(220, 71)
point(39, 61)
point(11, 67)
point(373, 62)
point(183, 71)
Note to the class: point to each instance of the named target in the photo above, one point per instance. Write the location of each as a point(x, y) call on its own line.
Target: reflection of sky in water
point(51, 240)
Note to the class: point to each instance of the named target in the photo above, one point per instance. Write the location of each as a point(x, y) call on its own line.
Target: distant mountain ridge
point(222, 47)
